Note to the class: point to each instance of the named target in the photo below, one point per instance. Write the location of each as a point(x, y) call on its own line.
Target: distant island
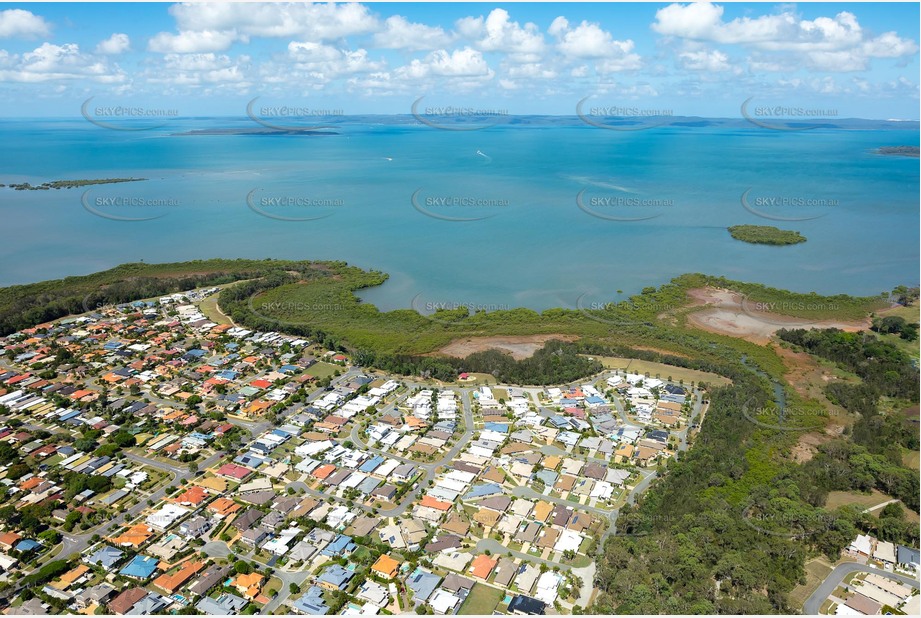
point(765, 235)
point(899, 151)
point(68, 184)
point(258, 132)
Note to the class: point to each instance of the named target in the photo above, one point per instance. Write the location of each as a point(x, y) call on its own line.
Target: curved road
point(814, 602)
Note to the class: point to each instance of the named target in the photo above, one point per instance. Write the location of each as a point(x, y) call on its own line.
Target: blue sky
point(859, 59)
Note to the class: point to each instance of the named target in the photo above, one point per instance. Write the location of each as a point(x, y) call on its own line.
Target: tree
point(294, 588)
point(241, 567)
point(893, 510)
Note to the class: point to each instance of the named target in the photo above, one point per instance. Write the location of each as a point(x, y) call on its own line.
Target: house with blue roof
point(311, 603)
point(288, 369)
point(227, 374)
point(595, 400)
point(371, 465)
point(368, 485)
point(27, 545)
point(342, 545)
point(141, 567)
point(548, 477)
point(485, 489)
point(423, 584)
point(335, 578)
point(499, 427)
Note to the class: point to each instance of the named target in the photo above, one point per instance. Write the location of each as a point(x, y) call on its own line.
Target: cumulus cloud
point(302, 20)
point(588, 41)
point(115, 44)
point(19, 23)
point(326, 62)
point(399, 33)
point(498, 33)
point(836, 43)
point(713, 61)
point(50, 62)
point(192, 41)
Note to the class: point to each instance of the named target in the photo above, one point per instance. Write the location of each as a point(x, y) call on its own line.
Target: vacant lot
point(816, 572)
point(481, 600)
point(519, 346)
point(322, 370)
point(664, 371)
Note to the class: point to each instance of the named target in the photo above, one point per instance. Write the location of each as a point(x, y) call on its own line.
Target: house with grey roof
point(225, 605)
point(106, 557)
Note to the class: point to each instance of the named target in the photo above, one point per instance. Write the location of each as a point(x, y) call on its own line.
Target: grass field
point(481, 600)
point(816, 572)
point(663, 370)
point(912, 459)
point(322, 370)
point(209, 308)
point(840, 498)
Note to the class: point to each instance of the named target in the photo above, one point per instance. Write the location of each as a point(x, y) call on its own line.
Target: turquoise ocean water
point(531, 240)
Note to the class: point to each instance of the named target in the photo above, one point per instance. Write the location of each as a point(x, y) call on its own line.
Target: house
point(455, 583)
point(386, 567)
point(212, 576)
point(311, 603)
point(152, 603)
point(527, 606)
point(140, 567)
point(505, 572)
point(863, 605)
point(342, 545)
point(125, 600)
point(172, 583)
point(248, 584)
point(95, 595)
point(482, 566)
point(194, 527)
point(106, 557)
point(423, 584)
point(884, 552)
point(254, 536)
point(335, 578)
point(33, 607)
point(225, 605)
point(444, 602)
point(8, 540)
point(373, 593)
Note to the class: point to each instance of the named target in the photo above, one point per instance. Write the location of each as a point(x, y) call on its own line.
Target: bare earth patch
point(521, 346)
point(724, 314)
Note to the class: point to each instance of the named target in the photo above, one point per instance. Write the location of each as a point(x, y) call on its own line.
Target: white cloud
point(464, 62)
point(20, 23)
point(589, 41)
point(115, 44)
point(51, 62)
point(399, 33)
point(713, 61)
point(497, 33)
point(305, 21)
point(192, 41)
point(826, 43)
point(325, 63)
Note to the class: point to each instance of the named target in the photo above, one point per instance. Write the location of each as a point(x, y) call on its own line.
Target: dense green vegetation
point(732, 522)
point(68, 184)
point(23, 306)
point(765, 235)
point(325, 309)
point(896, 325)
